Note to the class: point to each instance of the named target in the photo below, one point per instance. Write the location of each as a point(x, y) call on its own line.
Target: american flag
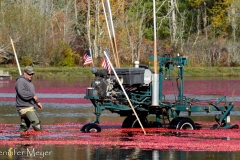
point(87, 58)
point(106, 64)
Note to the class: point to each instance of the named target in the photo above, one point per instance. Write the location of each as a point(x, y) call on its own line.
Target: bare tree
point(173, 20)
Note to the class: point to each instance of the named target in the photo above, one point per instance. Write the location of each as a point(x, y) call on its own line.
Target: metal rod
point(155, 82)
point(124, 92)
point(155, 38)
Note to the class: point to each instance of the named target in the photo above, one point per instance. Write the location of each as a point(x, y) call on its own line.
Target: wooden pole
point(19, 69)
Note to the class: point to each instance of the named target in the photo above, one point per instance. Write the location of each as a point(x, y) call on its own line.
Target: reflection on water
point(4, 83)
point(55, 113)
point(25, 152)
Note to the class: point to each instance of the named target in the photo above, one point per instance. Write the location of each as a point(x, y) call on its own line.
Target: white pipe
point(19, 69)
point(124, 92)
point(155, 90)
point(155, 83)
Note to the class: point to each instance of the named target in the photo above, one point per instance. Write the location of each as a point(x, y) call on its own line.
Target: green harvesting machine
point(130, 92)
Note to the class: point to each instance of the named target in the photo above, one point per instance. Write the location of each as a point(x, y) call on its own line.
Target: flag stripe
point(87, 58)
point(106, 64)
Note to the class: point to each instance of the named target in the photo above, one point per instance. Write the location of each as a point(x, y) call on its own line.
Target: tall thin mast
point(155, 82)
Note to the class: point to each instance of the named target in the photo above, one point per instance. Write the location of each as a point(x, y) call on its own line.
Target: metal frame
point(141, 99)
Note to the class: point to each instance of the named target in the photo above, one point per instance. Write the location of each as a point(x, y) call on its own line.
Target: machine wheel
point(182, 123)
point(127, 123)
point(84, 126)
point(235, 126)
point(91, 127)
point(215, 126)
point(132, 122)
point(144, 122)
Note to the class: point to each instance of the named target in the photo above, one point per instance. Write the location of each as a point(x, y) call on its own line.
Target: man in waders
point(26, 101)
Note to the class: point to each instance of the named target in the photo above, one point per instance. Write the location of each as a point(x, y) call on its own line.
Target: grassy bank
point(76, 72)
point(212, 71)
point(53, 72)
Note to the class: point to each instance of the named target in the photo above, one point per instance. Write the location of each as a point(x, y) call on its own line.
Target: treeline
point(58, 32)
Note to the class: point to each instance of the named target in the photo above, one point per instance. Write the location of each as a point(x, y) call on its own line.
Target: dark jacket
point(24, 92)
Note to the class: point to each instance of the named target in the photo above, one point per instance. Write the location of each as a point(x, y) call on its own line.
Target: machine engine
point(106, 86)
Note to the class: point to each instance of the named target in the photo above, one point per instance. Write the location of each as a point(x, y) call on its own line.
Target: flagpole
point(112, 31)
point(124, 92)
point(91, 55)
point(114, 54)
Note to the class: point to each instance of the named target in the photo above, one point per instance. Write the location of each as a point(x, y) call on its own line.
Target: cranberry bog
point(66, 111)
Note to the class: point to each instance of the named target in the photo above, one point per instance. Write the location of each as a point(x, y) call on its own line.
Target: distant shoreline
point(79, 71)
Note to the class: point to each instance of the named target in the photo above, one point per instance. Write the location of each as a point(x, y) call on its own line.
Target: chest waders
point(30, 118)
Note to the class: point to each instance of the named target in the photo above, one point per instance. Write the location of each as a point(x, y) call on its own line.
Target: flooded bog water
point(66, 111)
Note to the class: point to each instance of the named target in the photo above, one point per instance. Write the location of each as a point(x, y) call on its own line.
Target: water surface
point(65, 112)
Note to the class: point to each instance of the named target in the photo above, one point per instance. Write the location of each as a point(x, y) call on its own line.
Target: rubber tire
point(132, 122)
point(215, 126)
point(179, 122)
point(174, 122)
point(84, 127)
point(186, 122)
point(91, 127)
point(127, 123)
point(235, 126)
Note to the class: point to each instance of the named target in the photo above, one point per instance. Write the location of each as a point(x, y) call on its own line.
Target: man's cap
point(29, 70)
